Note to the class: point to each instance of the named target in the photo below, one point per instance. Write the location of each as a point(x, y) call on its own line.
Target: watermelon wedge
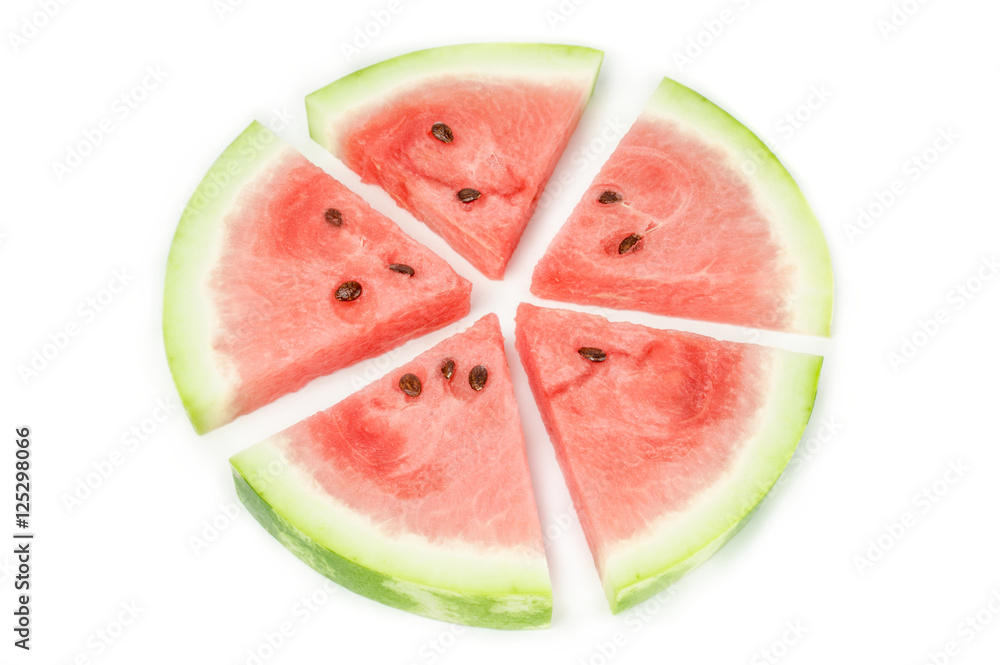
point(692, 216)
point(278, 274)
point(463, 137)
point(415, 490)
point(667, 440)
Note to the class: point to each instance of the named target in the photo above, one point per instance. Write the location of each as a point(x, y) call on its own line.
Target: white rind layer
point(333, 110)
point(205, 379)
point(777, 196)
point(448, 564)
point(680, 540)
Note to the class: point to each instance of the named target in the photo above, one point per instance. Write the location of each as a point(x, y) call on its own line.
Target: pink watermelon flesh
point(508, 137)
point(422, 499)
point(665, 405)
point(277, 323)
point(705, 252)
point(724, 233)
point(668, 444)
point(279, 319)
point(448, 463)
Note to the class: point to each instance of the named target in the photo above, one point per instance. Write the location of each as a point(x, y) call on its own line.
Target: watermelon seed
point(442, 132)
point(448, 369)
point(401, 268)
point(592, 354)
point(334, 216)
point(609, 197)
point(410, 384)
point(478, 376)
point(468, 195)
point(628, 243)
point(348, 291)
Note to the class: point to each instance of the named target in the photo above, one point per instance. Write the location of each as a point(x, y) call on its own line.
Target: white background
point(891, 432)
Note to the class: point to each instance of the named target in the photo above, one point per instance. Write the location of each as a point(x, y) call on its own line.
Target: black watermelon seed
point(478, 376)
point(468, 195)
point(628, 243)
point(442, 132)
point(401, 268)
point(609, 196)
point(410, 384)
point(592, 354)
point(347, 291)
point(448, 369)
point(334, 216)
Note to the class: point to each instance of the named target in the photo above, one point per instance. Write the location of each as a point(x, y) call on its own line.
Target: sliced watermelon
point(415, 490)
point(692, 216)
point(667, 440)
point(255, 304)
point(464, 137)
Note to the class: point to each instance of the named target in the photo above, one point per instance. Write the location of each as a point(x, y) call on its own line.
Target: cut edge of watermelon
point(326, 107)
point(671, 547)
point(776, 192)
point(203, 381)
point(449, 581)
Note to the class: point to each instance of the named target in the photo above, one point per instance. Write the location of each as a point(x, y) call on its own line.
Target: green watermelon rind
point(328, 108)
point(776, 192)
point(486, 589)
point(660, 556)
point(201, 379)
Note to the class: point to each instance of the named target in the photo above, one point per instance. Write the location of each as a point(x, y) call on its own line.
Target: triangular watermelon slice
point(667, 440)
point(464, 137)
point(415, 490)
point(692, 216)
point(279, 274)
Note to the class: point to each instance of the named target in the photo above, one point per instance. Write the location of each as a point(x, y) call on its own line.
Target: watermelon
point(667, 440)
point(278, 274)
point(415, 490)
point(692, 216)
point(463, 137)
